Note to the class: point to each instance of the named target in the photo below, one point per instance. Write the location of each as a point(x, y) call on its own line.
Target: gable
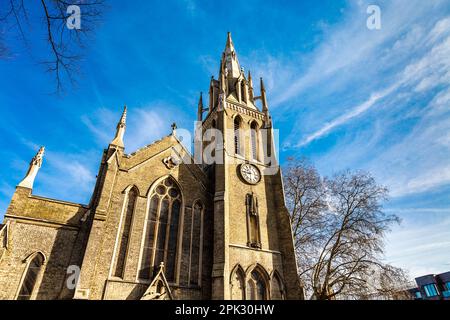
point(162, 157)
point(159, 287)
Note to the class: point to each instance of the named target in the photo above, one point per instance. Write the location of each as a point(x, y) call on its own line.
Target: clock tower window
point(253, 232)
point(254, 140)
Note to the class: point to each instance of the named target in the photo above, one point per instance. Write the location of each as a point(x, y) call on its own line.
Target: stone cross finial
point(33, 169)
point(174, 128)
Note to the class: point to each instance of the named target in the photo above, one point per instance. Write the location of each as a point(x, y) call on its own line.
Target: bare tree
point(29, 18)
point(385, 282)
point(305, 199)
point(339, 225)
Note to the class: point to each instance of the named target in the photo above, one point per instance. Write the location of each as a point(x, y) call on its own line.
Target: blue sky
point(341, 94)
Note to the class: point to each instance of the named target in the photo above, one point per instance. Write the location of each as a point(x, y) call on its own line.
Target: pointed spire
point(200, 108)
point(250, 87)
point(120, 129)
point(231, 61)
point(123, 118)
point(33, 169)
point(265, 107)
point(229, 41)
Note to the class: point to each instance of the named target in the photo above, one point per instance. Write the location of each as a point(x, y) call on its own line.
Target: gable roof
point(159, 287)
point(169, 142)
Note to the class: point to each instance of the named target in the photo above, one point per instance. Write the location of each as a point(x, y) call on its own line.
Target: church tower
point(159, 227)
point(253, 248)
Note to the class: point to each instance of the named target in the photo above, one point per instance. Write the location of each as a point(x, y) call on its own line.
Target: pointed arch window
point(31, 275)
point(238, 285)
point(277, 292)
point(192, 245)
point(253, 231)
point(125, 231)
point(161, 231)
point(256, 286)
point(254, 140)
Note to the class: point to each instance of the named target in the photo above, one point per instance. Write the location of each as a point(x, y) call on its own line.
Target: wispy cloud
point(145, 124)
point(350, 49)
point(380, 101)
point(355, 112)
point(420, 247)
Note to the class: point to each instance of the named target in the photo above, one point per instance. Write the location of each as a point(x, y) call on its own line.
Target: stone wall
point(43, 225)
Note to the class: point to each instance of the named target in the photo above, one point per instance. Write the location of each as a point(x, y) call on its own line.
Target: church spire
point(265, 107)
point(200, 108)
point(250, 87)
point(33, 169)
point(120, 129)
point(231, 62)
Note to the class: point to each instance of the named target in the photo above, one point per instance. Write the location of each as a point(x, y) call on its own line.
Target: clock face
point(250, 173)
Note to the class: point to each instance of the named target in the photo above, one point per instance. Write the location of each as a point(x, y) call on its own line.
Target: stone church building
point(161, 225)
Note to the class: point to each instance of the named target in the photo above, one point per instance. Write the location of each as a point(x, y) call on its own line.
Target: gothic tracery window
point(125, 231)
point(256, 286)
point(30, 278)
point(161, 232)
point(192, 245)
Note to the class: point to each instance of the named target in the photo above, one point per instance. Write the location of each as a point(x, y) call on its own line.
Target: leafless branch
point(65, 45)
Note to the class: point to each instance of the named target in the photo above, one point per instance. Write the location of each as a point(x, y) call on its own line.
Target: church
point(162, 223)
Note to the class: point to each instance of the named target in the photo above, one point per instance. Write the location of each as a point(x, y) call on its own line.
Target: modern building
point(161, 225)
point(432, 287)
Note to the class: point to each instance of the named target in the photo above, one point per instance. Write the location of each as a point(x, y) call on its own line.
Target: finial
point(33, 169)
point(120, 129)
point(262, 84)
point(200, 102)
point(174, 128)
point(200, 108)
point(123, 118)
point(265, 107)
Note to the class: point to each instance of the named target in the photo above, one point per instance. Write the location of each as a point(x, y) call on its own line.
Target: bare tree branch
point(65, 45)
